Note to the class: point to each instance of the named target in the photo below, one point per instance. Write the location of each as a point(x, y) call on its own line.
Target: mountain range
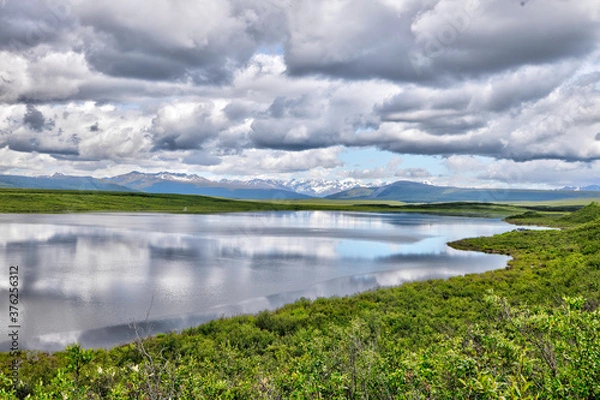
point(414, 192)
point(255, 189)
point(167, 182)
point(60, 182)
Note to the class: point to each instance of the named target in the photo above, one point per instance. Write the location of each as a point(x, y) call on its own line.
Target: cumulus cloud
point(512, 116)
point(27, 24)
point(63, 130)
point(16, 162)
point(252, 87)
point(186, 125)
point(258, 162)
point(435, 40)
point(187, 40)
point(546, 173)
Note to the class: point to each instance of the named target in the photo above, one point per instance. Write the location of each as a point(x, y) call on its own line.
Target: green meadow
point(56, 201)
point(530, 330)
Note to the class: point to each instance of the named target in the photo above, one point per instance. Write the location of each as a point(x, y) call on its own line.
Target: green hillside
point(52, 201)
point(57, 201)
point(527, 331)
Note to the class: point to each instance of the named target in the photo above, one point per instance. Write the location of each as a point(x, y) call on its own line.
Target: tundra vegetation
point(531, 330)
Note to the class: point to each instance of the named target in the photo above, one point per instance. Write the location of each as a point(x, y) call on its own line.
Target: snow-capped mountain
point(273, 189)
point(276, 188)
point(254, 183)
point(168, 182)
point(140, 181)
point(321, 187)
point(308, 187)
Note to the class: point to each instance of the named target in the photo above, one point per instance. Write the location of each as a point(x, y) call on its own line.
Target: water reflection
point(87, 277)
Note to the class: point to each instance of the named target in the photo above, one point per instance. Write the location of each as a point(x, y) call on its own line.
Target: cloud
point(186, 125)
point(256, 87)
point(390, 171)
point(318, 115)
point(557, 172)
point(413, 173)
point(510, 115)
point(350, 39)
point(16, 162)
point(186, 41)
point(295, 124)
point(435, 41)
point(258, 162)
point(27, 24)
point(63, 130)
point(40, 76)
point(541, 174)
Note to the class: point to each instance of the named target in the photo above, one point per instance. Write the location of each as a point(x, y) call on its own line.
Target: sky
point(473, 93)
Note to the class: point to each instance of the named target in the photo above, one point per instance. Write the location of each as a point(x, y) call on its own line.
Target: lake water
point(87, 277)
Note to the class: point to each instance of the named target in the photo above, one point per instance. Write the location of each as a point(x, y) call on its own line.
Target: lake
point(88, 277)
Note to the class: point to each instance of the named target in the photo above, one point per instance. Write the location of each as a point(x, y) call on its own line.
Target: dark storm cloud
point(34, 119)
point(26, 24)
point(429, 146)
point(56, 152)
point(190, 41)
point(358, 40)
point(445, 40)
point(28, 144)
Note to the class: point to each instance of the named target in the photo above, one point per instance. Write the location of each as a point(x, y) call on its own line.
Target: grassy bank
point(58, 201)
point(531, 330)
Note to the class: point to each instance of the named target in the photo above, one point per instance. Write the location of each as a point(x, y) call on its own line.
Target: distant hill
point(60, 182)
point(590, 188)
point(414, 192)
point(166, 182)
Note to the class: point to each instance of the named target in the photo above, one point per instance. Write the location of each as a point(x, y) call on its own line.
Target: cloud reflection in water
point(87, 277)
